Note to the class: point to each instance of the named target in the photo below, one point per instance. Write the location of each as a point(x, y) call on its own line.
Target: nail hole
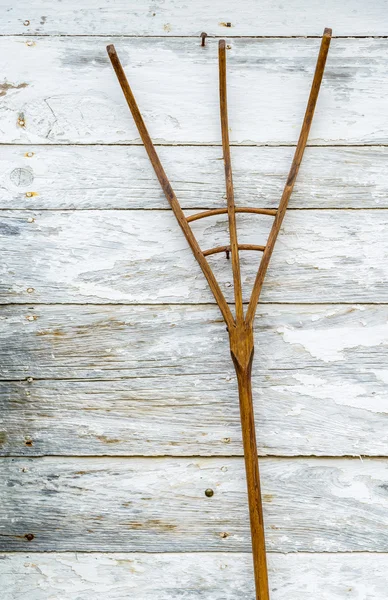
point(224, 535)
point(26, 22)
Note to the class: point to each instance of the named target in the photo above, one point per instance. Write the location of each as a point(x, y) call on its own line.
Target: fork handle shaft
point(253, 483)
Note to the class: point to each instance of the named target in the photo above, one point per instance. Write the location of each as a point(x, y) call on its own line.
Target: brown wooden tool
point(240, 326)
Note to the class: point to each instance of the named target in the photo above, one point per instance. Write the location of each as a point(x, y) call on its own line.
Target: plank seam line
point(185, 552)
point(195, 304)
point(195, 145)
point(168, 209)
point(188, 37)
point(173, 457)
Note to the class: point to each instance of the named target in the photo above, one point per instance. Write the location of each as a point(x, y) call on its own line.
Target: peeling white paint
point(329, 345)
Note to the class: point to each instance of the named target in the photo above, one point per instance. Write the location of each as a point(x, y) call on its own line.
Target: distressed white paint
point(143, 257)
point(172, 17)
point(337, 341)
point(55, 342)
point(72, 95)
point(85, 177)
point(175, 391)
point(320, 372)
point(159, 504)
point(214, 576)
point(298, 412)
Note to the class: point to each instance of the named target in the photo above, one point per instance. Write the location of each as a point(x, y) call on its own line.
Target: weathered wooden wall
point(118, 397)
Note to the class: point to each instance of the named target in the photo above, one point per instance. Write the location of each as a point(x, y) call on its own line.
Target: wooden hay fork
point(240, 327)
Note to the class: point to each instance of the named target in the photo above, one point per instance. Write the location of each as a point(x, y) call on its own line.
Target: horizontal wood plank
point(63, 90)
point(87, 177)
point(110, 342)
point(159, 504)
point(332, 411)
point(195, 576)
point(142, 257)
point(319, 380)
point(172, 17)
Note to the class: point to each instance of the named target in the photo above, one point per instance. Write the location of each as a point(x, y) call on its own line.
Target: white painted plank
point(85, 177)
point(159, 504)
point(330, 411)
point(55, 342)
point(215, 576)
point(143, 257)
point(65, 90)
point(173, 17)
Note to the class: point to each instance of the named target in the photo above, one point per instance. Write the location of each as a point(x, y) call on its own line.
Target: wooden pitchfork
point(240, 326)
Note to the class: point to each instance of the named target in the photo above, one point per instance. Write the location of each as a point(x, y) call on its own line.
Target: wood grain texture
point(172, 17)
point(329, 411)
point(159, 504)
point(55, 342)
point(142, 257)
point(319, 383)
point(62, 90)
point(82, 177)
point(215, 576)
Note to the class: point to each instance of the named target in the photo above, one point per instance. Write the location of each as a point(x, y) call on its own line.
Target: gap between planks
point(175, 553)
point(62, 457)
point(167, 209)
point(192, 37)
point(194, 144)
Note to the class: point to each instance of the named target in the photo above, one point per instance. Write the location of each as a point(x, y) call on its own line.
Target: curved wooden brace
point(227, 249)
point(223, 211)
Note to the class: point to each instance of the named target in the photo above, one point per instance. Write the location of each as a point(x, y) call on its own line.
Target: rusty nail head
point(203, 36)
point(229, 24)
point(26, 22)
point(209, 493)
point(29, 536)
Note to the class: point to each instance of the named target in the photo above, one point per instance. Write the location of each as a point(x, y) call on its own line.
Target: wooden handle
point(241, 348)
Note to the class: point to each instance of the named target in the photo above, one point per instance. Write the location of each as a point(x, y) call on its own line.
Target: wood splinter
point(240, 326)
